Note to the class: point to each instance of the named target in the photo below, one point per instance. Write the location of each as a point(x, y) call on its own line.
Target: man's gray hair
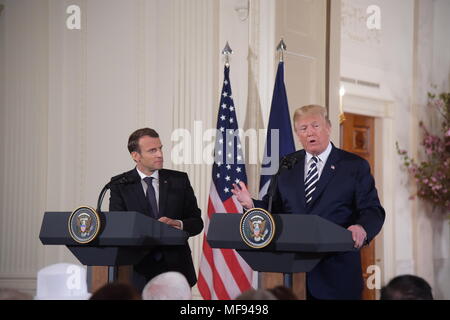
point(167, 286)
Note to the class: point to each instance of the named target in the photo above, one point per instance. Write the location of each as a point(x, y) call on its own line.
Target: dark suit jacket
point(176, 201)
point(346, 195)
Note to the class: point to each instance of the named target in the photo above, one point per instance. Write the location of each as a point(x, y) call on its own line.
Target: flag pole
point(218, 265)
point(281, 48)
point(227, 52)
point(288, 279)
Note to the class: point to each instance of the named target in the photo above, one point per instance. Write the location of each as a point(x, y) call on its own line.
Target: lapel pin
point(333, 167)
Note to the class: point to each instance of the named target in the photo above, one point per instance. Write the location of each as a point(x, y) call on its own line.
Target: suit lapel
point(163, 191)
point(328, 172)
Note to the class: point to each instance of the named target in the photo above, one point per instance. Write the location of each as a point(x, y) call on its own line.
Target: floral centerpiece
point(433, 174)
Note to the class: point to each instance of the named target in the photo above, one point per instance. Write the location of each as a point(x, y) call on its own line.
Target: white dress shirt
point(155, 183)
point(322, 160)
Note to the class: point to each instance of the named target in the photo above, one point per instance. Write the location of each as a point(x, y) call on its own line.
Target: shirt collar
point(155, 174)
point(322, 157)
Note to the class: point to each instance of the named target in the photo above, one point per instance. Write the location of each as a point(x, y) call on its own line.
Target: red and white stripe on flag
point(223, 273)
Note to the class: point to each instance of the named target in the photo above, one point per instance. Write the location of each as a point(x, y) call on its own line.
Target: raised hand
point(242, 195)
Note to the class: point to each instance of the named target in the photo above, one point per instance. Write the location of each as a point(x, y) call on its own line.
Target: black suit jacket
point(346, 195)
point(176, 201)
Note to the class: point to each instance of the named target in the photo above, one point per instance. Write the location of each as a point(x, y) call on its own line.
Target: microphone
point(123, 178)
point(286, 163)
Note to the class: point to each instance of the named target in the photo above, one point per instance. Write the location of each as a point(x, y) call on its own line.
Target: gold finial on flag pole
point(227, 52)
point(281, 48)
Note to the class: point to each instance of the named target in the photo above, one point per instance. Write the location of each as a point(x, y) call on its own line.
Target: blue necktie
point(311, 179)
point(151, 197)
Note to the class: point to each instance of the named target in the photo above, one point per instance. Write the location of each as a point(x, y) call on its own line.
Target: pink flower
point(432, 174)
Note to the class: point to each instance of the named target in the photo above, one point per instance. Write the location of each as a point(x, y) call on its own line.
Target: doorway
point(358, 136)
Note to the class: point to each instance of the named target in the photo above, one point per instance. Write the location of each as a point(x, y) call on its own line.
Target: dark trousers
point(145, 270)
point(309, 296)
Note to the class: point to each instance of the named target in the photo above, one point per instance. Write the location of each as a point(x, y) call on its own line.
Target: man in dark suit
point(336, 185)
point(165, 195)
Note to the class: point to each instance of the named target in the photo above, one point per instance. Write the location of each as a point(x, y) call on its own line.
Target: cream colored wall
point(385, 57)
point(24, 109)
point(405, 57)
point(302, 24)
point(70, 99)
point(432, 231)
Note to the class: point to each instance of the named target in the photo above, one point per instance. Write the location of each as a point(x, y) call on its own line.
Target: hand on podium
point(359, 235)
point(171, 222)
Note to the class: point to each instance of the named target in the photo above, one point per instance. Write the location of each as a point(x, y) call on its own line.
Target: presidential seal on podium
point(257, 228)
point(84, 224)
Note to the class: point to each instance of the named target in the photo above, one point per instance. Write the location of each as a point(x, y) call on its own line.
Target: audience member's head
point(260, 294)
point(407, 287)
point(167, 286)
point(116, 291)
point(283, 293)
point(12, 294)
point(62, 281)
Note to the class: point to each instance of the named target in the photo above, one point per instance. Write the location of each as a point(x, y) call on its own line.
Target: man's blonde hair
point(311, 109)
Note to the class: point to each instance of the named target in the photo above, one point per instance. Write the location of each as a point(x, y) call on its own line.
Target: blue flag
point(279, 142)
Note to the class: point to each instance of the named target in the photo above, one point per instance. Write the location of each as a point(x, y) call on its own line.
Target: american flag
point(223, 273)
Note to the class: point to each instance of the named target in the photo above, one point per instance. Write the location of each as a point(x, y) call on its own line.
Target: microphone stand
point(121, 179)
point(286, 163)
point(101, 196)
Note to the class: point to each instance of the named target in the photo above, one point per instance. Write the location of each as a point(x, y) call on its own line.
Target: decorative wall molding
point(24, 140)
point(193, 81)
point(62, 133)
